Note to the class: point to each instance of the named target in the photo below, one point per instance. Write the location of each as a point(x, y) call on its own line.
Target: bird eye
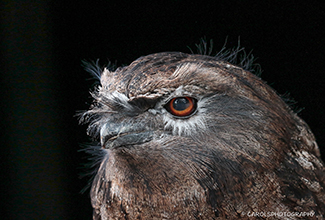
point(181, 106)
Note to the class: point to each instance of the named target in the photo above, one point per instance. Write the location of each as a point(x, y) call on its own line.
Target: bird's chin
point(128, 139)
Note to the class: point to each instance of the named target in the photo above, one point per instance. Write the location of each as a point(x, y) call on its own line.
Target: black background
point(43, 83)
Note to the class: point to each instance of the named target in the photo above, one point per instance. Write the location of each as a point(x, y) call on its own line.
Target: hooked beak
point(114, 135)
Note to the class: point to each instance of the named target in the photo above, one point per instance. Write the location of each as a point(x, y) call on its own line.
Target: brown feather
point(243, 154)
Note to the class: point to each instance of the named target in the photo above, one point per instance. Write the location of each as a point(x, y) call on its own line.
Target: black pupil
point(181, 104)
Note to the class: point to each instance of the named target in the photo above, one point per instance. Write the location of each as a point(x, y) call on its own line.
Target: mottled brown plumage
point(243, 153)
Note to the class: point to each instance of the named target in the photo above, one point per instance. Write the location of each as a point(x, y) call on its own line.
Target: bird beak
point(113, 135)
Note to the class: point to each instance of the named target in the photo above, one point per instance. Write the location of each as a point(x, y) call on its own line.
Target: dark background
point(43, 83)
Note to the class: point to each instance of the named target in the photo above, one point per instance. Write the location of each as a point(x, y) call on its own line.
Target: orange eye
point(181, 106)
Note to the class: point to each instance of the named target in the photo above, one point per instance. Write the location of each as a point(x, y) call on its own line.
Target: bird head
point(178, 128)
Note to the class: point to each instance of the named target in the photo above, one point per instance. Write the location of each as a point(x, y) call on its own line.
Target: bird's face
point(176, 99)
